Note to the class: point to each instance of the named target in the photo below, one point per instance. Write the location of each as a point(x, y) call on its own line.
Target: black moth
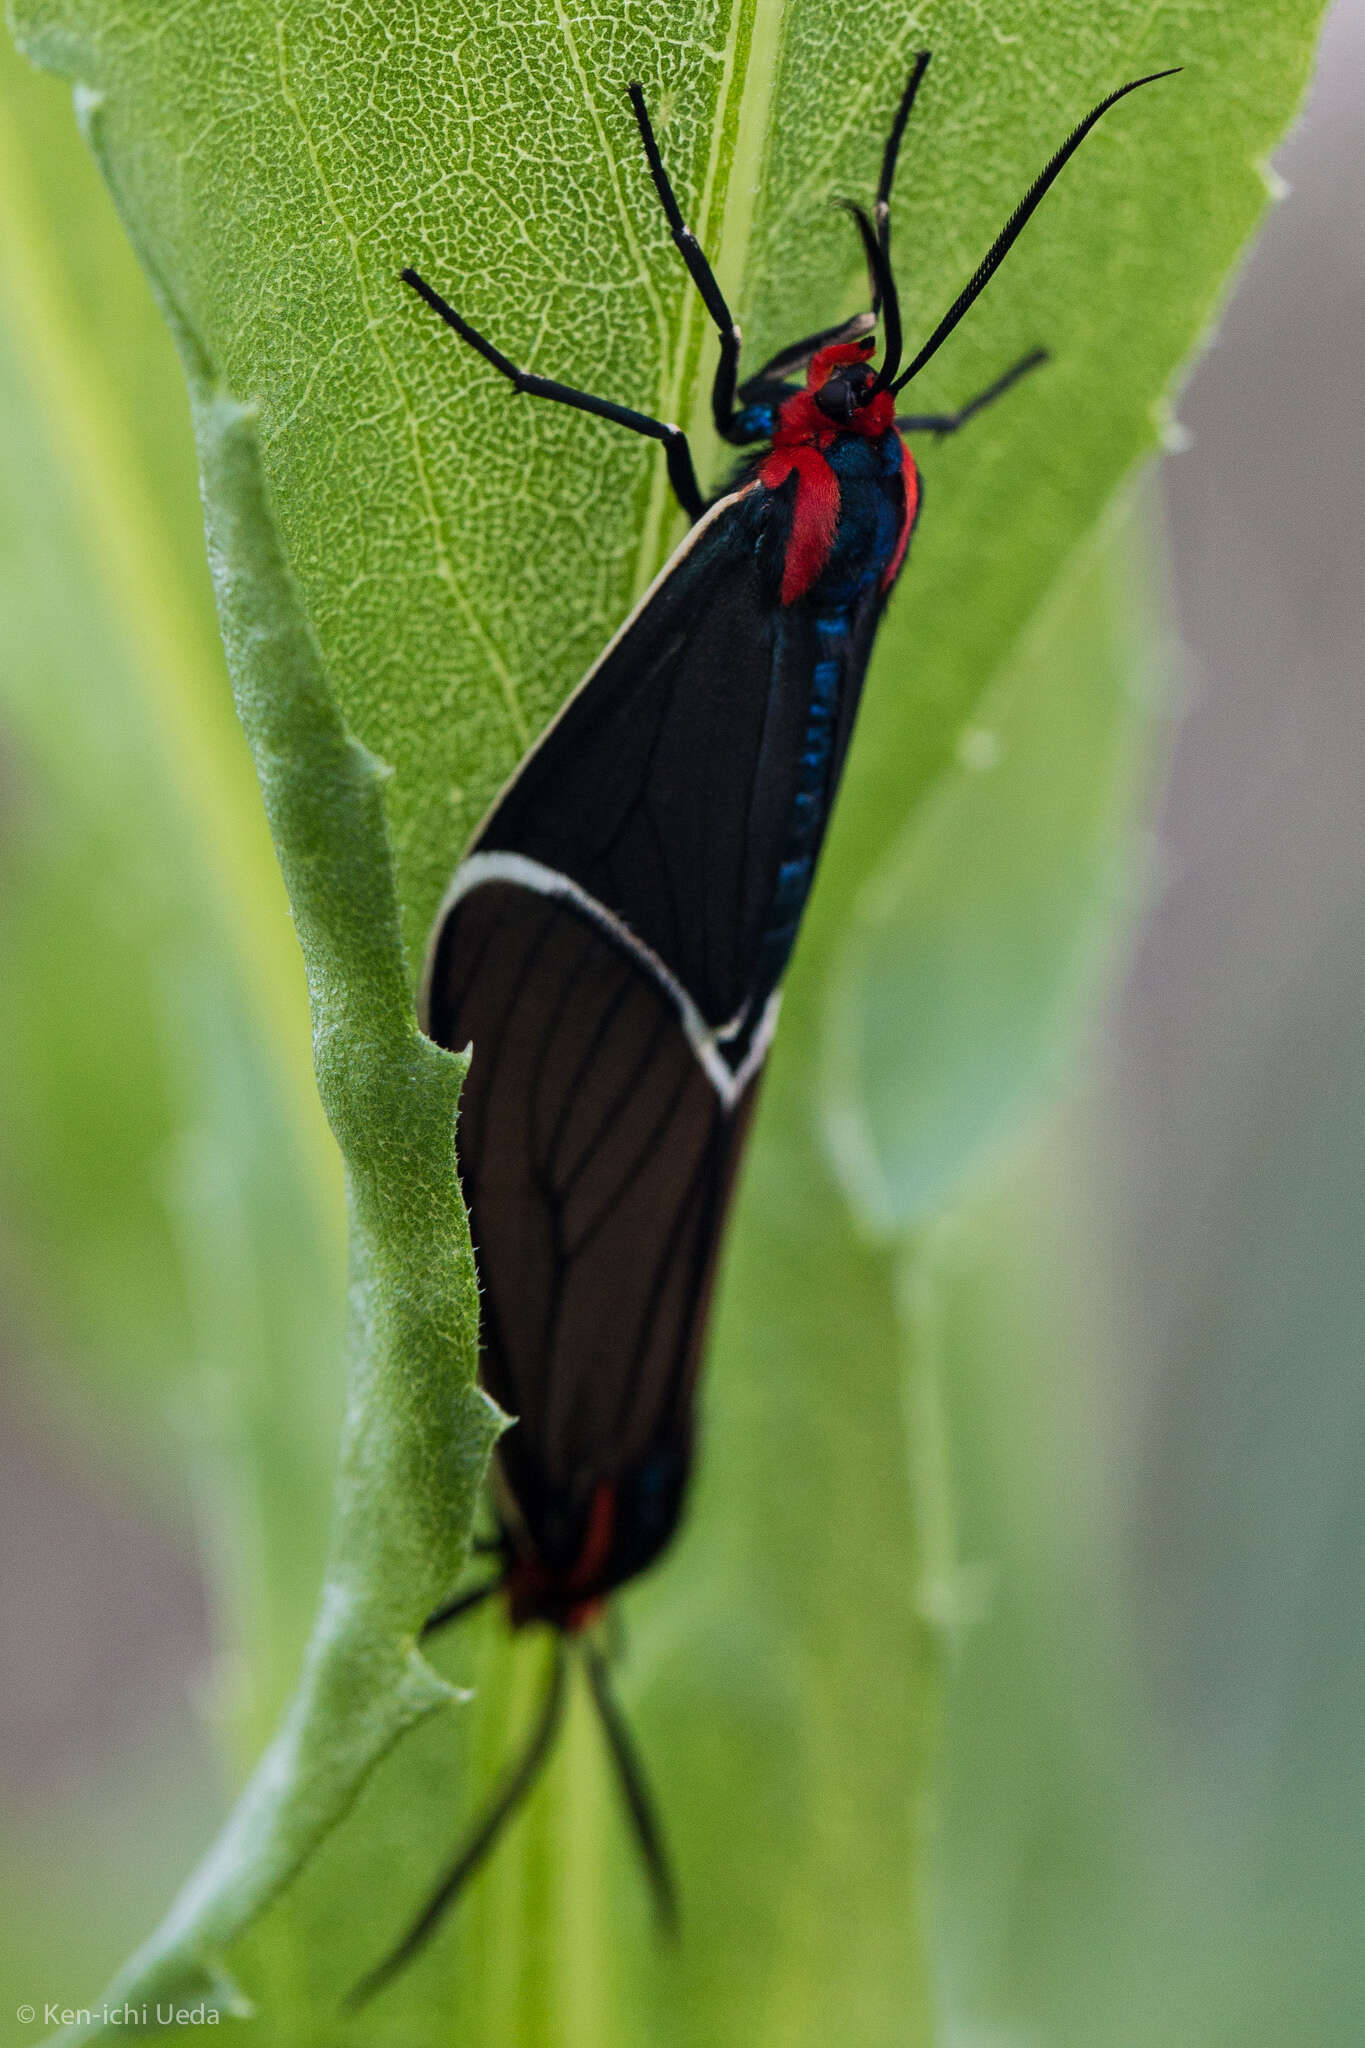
point(613, 942)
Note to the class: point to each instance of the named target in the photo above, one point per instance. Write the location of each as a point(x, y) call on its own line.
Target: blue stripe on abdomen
point(810, 805)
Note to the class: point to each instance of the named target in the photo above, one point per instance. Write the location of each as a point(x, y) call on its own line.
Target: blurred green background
point(1147, 1321)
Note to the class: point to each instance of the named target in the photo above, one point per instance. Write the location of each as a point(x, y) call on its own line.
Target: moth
point(614, 940)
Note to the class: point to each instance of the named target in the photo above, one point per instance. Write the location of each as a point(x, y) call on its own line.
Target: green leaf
point(971, 955)
point(418, 1429)
point(171, 1244)
point(394, 528)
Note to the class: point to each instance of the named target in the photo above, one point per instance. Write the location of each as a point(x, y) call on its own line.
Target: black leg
point(949, 422)
point(508, 1798)
point(700, 272)
point(644, 1819)
point(463, 1603)
point(681, 474)
point(797, 354)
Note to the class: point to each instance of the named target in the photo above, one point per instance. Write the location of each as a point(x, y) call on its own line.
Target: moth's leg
point(701, 274)
point(463, 1603)
point(949, 422)
point(681, 473)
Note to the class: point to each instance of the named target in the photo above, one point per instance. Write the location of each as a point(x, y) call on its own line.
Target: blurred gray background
point(1235, 1061)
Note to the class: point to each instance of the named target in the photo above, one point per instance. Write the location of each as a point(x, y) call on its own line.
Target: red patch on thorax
point(910, 479)
point(815, 516)
point(803, 433)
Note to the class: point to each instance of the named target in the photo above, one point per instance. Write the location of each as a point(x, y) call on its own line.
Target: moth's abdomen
point(596, 1158)
point(814, 793)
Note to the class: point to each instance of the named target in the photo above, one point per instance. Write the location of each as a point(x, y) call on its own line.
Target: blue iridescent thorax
point(871, 509)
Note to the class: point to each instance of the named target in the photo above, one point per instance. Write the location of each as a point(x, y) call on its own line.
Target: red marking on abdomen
point(592, 1558)
point(534, 1594)
point(815, 517)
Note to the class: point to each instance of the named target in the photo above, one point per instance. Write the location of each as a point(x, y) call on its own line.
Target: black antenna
point(881, 212)
point(1014, 226)
point(884, 295)
point(629, 1769)
point(500, 1810)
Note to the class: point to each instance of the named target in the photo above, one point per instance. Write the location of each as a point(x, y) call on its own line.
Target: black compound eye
point(836, 398)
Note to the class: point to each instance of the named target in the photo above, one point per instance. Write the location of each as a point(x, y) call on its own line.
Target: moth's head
point(840, 378)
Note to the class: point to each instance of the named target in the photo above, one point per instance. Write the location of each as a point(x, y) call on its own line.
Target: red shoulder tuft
point(814, 519)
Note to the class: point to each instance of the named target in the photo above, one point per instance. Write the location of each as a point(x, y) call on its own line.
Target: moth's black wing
point(608, 921)
point(596, 1157)
point(664, 789)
